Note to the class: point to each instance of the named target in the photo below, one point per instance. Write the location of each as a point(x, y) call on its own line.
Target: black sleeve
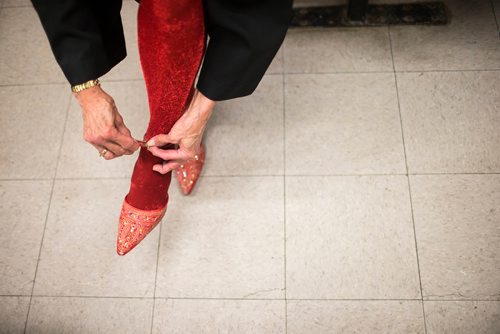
point(86, 36)
point(244, 38)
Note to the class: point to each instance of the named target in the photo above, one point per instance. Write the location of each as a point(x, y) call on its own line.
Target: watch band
point(85, 85)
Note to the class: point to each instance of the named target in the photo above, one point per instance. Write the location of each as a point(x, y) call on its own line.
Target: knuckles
point(108, 132)
point(90, 138)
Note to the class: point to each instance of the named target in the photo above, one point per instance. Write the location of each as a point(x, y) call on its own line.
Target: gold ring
point(103, 152)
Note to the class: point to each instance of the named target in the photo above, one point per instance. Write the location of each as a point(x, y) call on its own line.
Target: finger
point(166, 167)
point(120, 125)
point(169, 154)
point(108, 155)
point(116, 149)
point(160, 140)
point(122, 128)
point(125, 141)
point(118, 117)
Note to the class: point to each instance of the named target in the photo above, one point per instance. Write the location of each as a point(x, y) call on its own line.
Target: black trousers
point(87, 40)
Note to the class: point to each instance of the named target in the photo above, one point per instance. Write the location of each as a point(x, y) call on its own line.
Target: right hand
point(103, 126)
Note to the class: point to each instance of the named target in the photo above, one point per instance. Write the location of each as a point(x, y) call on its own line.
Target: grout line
point(283, 86)
point(16, 6)
point(24, 179)
point(263, 175)
point(68, 107)
point(29, 84)
point(68, 103)
point(395, 71)
point(457, 173)
point(258, 299)
point(273, 74)
point(495, 16)
point(153, 313)
point(156, 277)
point(90, 297)
point(407, 179)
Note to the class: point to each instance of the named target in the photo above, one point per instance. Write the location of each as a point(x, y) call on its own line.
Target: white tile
point(350, 237)
point(225, 240)
point(245, 136)
point(469, 41)
point(451, 121)
point(81, 159)
point(340, 49)
point(31, 126)
point(13, 311)
point(23, 208)
point(359, 316)
point(79, 250)
point(89, 315)
point(219, 316)
point(462, 317)
point(25, 55)
point(457, 225)
point(17, 3)
point(342, 124)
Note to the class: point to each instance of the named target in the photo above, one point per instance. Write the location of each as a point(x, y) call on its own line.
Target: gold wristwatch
point(85, 85)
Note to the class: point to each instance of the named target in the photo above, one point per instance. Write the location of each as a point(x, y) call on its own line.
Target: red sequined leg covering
point(171, 37)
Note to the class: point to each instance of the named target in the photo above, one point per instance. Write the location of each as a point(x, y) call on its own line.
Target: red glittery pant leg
point(171, 37)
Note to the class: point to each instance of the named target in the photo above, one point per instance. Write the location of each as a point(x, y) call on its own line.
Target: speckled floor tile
point(89, 315)
point(469, 42)
point(219, 316)
point(462, 317)
point(31, 127)
point(356, 316)
point(245, 136)
point(457, 225)
point(451, 121)
point(225, 240)
point(13, 311)
point(350, 237)
point(342, 124)
point(17, 3)
point(79, 249)
point(316, 50)
point(23, 208)
point(22, 37)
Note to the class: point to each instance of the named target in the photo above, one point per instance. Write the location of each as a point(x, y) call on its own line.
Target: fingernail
point(150, 143)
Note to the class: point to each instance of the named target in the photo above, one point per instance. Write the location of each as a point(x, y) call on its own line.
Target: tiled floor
point(356, 191)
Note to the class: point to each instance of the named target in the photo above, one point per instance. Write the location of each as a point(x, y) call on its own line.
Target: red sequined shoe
point(134, 225)
point(189, 172)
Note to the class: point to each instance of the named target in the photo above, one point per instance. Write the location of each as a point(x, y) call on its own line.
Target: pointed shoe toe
point(134, 225)
point(188, 172)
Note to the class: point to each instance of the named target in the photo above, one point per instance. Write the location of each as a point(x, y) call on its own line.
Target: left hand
point(187, 132)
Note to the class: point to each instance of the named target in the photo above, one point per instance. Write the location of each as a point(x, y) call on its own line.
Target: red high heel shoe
point(189, 172)
point(134, 225)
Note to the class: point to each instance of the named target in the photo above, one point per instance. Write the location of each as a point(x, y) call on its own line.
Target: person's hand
point(187, 132)
point(103, 125)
